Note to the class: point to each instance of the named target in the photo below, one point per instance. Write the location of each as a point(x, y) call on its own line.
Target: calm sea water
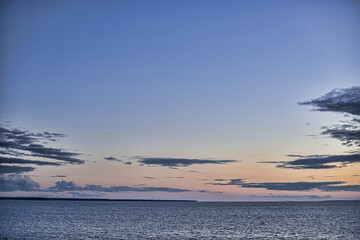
point(21, 219)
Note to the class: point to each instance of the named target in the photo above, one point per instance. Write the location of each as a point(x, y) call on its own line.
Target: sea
point(59, 219)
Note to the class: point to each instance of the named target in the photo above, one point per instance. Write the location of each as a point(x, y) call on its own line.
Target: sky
point(205, 100)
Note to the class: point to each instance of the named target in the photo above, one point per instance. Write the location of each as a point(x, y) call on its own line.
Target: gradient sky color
point(205, 80)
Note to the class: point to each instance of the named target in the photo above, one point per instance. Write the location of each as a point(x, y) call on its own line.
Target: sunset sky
point(206, 100)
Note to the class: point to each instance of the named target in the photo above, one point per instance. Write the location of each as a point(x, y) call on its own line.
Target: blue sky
point(178, 79)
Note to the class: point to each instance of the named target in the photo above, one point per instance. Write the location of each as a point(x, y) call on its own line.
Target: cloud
point(62, 186)
point(16, 144)
point(238, 181)
point(354, 188)
point(4, 169)
point(59, 176)
point(293, 186)
point(346, 100)
point(349, 134)
point(9, 183)
point(117, 160)
point(296, 197)
point(290, 186)
point(112, 159)
point(205, 191)
point(179, 162)
point(133, 189)
point(149, 177)
point(25, 161)
point(86, 195)
point(16, 182)
point(320, 161)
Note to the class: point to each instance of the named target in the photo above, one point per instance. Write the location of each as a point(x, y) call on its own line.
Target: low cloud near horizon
point(291, 186)
point(15, 182)
point(178, 162)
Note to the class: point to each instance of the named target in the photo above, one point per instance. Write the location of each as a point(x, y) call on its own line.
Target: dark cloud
point(86, 195)
point(309, 197)
point(117, 160)
point(238, 181)
point(205, 191)
point(132, 189)
point(39, 150)
point(290, 186)
point(59, 176)
point(16, 145)
point(112, 159)
point(346, 100)
point(9, 160)
point(348, 134)
point(320, 161)
point(293, 186)
point(354, 188)
point(4, 169)
point(179, 162)
point(149, 177)
point(62, 186)
point(175, 177)
point(14, 182)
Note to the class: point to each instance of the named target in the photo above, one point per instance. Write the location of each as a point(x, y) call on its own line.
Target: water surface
point(32, 219)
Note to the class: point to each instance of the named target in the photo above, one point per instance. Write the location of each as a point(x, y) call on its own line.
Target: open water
point(32, 219)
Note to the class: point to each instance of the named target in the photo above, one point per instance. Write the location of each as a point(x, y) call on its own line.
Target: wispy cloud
point(113, 159)
point(4, 169)
point(319, 161)
point(150, 178)
point(238, 181)
point(178, 162)
point(62, 186)
point(26, 161)
point(293, 186)
point(21, 146)
point(293, 197)
point(348, 134)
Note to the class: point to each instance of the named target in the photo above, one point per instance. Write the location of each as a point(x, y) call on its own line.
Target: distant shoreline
point(92, 199)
